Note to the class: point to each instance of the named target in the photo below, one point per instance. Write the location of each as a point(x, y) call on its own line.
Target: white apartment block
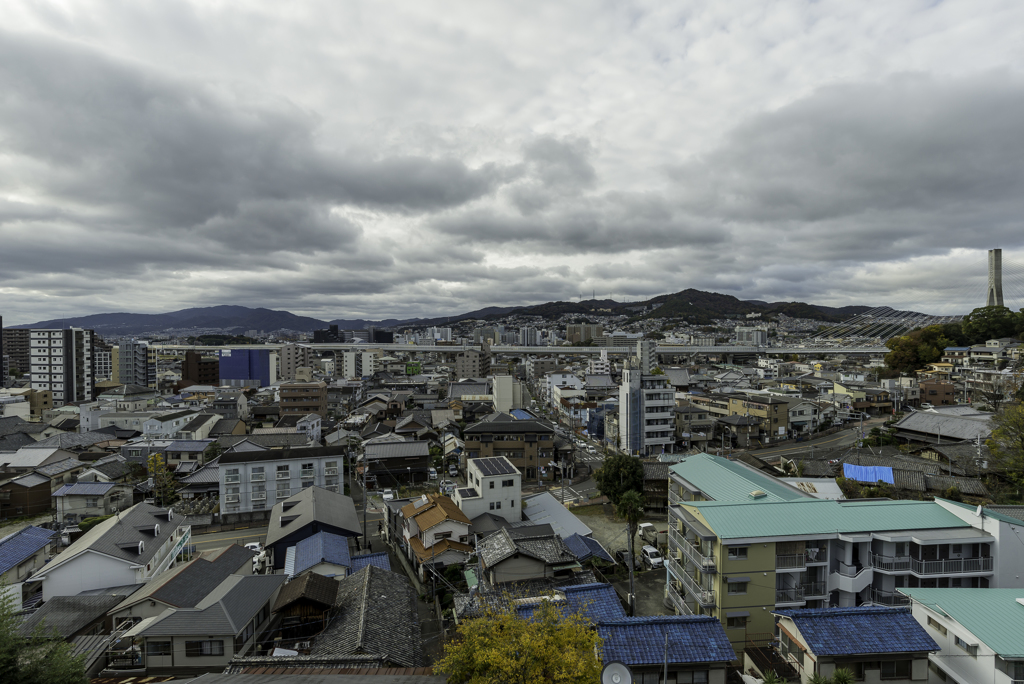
point(646, 419)
point(601, 366)
point(256, 480)
point(357, 364)
point(494, 485)
point(61, 362)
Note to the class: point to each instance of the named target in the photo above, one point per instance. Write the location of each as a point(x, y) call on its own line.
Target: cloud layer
point(411, 160)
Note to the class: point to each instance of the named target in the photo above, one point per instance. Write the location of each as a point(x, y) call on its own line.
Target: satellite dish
point(979, 511)
point(616, 672)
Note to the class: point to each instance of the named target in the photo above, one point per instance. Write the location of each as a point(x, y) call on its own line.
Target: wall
point(759, 600)
point(87, 571)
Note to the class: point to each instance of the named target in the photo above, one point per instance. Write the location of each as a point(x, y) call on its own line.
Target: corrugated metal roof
point(992, 615)
point(724, 480)
point(741, 520)
point(85, 489)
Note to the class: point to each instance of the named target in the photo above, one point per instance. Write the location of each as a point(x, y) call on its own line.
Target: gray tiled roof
point(948, 426)
point(313, 504)
point(109, 536)
point(58, 467)
point(1012, 511)
point(377, 615)
point(396, 449)
point(548, 548)
point(188, 584)
point(68, 614)
point(224, 611)
point(75, 440)
point(10, 425)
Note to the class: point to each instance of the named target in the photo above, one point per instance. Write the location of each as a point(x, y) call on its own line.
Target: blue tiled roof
point(85, 489)
point(641, 640)
point(16, 548)
point(851, 631)
point(322, 547)
point(594, 602)
point(587, 547)
point(378, 560)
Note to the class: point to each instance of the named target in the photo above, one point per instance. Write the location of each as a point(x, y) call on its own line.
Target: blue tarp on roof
point(16, 548)
point(594, 602)
point(641, 640)
point(867, 473)
point(520, 414)
point(863, 630)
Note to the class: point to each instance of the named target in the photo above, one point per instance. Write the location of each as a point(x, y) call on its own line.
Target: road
point(214, 540)
point(842, 438)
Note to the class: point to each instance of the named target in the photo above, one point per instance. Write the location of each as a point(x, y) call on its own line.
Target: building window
point(972, 650)
point(90, 503)
point(896, 669)
point(508, 483)
point(491, 484)
point(736, 623)
point(934, 624)
point(737, 553)
point(737, 587)
point(158, 648)
point(197, 649)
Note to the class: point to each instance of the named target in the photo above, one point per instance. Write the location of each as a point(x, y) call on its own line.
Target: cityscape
point(483, 343)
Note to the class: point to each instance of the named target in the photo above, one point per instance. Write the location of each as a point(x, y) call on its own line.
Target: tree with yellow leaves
point(503, 647)
point(163, 481)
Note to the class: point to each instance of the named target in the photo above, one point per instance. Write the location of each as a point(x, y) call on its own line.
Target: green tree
point(620, 473)
point(991, 322)
point(842, 676)
point(502, 647)
point(39, 658)
point(163, 481)
point(1006, 442)
point(631, 509)
point(213, 451)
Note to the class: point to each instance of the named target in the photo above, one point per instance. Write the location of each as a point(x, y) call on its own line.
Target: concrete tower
point(995, 278)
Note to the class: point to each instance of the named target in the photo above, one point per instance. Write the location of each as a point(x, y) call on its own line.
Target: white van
point(432, 473)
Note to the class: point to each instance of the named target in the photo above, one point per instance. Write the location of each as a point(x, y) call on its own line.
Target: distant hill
point(239, 318)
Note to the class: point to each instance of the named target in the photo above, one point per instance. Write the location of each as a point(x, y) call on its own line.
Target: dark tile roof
point(114, 469)
point(587, 547)
point(504, 543)
point(277, 454)
point(225, 611)
point(376, 615)
point(656, 471)
point(10, 425)
point(592, 602)
point(863, 630)
point(19, 546)
point(15, 441)
point(1012, 511)
point(397, 449)
point(641, 640)
point(378, 560)
point(311, 587)
point(312, 504)
point(58, 467)
point(190, 586)
point(69, 614)
point(322, 547)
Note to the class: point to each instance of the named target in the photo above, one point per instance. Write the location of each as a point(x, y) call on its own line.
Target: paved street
point(213, 540)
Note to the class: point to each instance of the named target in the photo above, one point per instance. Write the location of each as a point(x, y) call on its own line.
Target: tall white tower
point(995, 278)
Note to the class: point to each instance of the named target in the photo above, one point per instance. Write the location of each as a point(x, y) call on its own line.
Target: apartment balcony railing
point(689, 549)
point(703, 596)
point(680, 605)
point(674, 497)
point(889, 598)
point(790, 561)
point(951, 566)
point(891, 563)
point(819, 555)
point(791, 595)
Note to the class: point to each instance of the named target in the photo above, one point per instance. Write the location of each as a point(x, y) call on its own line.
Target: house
point(27, 459)
point(21, 553)
point(129, 548)
point(185, 450)
point(323, 554)
point(655, 486)
point(27, 494)
point(525, 553)
point(183, 586)
point(254, 481)
point(693, 648)
point(436, 531)
point(980, 633)
point(305, 604)
point(391, 463)
point(593, 603)
point(232, 404)
point(873, 642)
point(61, 473)
point(201, 638)
point(81, 500)
point(303, 515)
point(494, 485)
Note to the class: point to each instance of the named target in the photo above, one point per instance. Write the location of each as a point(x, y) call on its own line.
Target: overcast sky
point(381, 159)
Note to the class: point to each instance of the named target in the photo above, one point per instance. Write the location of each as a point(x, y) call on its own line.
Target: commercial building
point(247, 367)
point(202, 370)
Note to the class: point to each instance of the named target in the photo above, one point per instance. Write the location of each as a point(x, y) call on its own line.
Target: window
point(896, 669)
point(90, 502)
point(736, 623)
point(491, 483)
point(492, 505)
point(737, 587)
point(971, 649)
point(737, 553)
point(934, 624)
point(158, 648)
point(508, 483)
point(939, 672)
point(197, 649)
point(497, 504)
point(699, 677)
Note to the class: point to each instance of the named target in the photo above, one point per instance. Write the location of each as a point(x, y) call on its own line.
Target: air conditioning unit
point(283, 493)
point(259, 496)
point(332, 488)
point(231, 498)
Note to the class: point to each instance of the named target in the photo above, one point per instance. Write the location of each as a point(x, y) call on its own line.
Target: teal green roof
point(725, 480)
point(742, 520)
point(992, 615)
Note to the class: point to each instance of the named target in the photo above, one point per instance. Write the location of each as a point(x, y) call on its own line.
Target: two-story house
point(494, 486)
point(529, 445)
point(436, 532)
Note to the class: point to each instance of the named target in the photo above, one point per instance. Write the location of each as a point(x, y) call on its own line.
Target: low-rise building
point(305, 514)
point(494, 485)
point(253, 481)
point(435, 531)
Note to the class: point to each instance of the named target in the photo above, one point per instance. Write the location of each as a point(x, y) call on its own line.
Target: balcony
point(259, 496)
point(284, 475)
point(791, 595)
point(677, 601)
point(790, 561)
point(231, 479)
point(891, 563)
point(307, 474)
point(706, 597)
point(689, 549)
point(330, 471)
point(951, 566)
point(814, 589)
point(257, 477)
point(888, 598)
point(283, 493)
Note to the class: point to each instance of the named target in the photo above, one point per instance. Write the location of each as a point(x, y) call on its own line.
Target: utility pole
point(632, 591)
point(366, 494)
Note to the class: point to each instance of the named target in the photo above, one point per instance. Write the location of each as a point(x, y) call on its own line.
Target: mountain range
point(694, 306)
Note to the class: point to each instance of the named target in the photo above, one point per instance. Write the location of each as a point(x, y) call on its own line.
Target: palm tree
point(631, 509)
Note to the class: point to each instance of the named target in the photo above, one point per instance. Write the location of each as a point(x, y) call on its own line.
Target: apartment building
point(355, 365)
point(303, 398)
point(293, 357)
point(937, 393)
point(770, 412)
point(646, 418)
point(135, 367)
point(579, 333)
point(601, 365)
point(473, 364)
point(529, 445)
point(255, 481)
point(762, 546)
point(202, 370)
point(61, 362)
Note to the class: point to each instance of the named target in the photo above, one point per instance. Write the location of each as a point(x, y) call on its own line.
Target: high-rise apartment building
point(294, 356)
point(16, 348)
point(61, 362)
point(579, 333)
point(645, 411)
point(303, 398)
point(134, 364)
point(752, 336)
point(473, 364)
point(600, 366)
point(202, 370)
point(356, 364)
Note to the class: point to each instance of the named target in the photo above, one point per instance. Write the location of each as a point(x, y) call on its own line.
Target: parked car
point(651, 557)
point(622, 556)
point(255, 547)
point(432, 473)
point(446, 486)
point(388, 495)
point(453, 470)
